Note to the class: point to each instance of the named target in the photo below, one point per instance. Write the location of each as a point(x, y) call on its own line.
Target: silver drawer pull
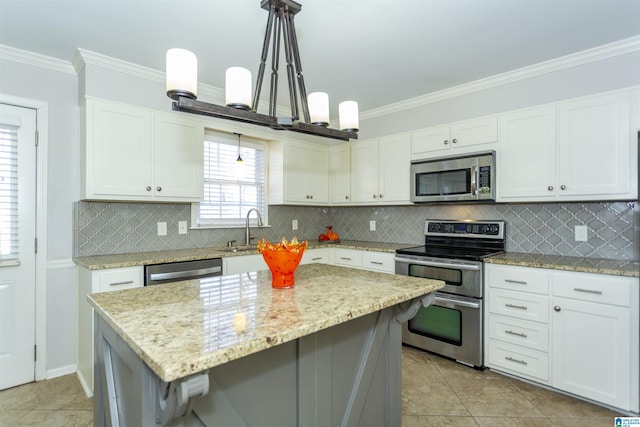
point(345, 258)
point(519, 307)
point(518, 334)
point(376, 262)
point(316, 258)
point(128, 282)
point(589, 291)
point(511, 359)
point(519, 282)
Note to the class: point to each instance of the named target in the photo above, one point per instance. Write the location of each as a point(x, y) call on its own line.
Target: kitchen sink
point(234, 249)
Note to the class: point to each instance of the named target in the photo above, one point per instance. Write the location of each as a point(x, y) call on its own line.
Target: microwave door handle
point(439, 264)
point(474, 181)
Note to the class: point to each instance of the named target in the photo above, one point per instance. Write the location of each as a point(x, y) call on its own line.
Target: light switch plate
point(581, 233)
point(372, 225)
point(294, 224)
point(162, 229)
point(182, 227)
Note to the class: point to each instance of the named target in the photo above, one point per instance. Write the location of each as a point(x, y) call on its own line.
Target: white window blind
point(8, 193)
point(231, 190)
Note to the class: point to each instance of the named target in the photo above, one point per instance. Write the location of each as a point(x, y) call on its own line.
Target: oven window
point(445, 183)
point(440, 323)
point(450, 276)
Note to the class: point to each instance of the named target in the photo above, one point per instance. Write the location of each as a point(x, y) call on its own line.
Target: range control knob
point(494, 228)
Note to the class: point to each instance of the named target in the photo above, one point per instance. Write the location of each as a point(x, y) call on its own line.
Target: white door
point(17, 245)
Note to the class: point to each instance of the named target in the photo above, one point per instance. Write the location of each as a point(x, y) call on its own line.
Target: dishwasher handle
point(186, 274)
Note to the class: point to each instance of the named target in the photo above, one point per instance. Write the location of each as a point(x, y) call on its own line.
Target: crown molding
point(31, 58)
point(584, 57)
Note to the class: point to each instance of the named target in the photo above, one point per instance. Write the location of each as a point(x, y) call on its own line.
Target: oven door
point(460, 277)
point(451, 327)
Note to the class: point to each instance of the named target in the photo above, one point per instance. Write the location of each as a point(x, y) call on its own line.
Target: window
point(8, 193)
point(231, 190)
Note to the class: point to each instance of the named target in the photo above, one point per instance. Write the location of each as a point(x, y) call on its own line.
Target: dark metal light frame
point(279, 23)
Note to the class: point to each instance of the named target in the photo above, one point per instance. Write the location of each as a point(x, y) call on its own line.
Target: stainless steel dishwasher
point(157, 274)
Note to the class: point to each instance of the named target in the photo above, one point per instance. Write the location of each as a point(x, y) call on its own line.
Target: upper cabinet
point(130, 153)
point(340, 174)
point(576, 150)
point(298, 173)
point(459, 137)
point(380, 170)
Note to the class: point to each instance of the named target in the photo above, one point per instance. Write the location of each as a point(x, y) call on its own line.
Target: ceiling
point(377, 52)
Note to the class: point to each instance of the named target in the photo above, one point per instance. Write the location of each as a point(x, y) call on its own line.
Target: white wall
point(59, 90)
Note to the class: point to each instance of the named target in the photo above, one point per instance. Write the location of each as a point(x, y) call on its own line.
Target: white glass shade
point(349, 120)
point(238, 87)
point(182, 73)
point(319, 108)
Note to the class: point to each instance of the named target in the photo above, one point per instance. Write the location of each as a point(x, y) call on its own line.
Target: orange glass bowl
point(282, 259)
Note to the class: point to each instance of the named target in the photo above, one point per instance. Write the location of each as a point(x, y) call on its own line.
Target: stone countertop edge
point(568, 263)
point(182, 328)
point(100, 262)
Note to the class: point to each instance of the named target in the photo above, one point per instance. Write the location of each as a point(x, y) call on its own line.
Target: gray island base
point(232, 351)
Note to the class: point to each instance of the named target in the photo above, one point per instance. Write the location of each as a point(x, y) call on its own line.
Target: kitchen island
point(232, 351)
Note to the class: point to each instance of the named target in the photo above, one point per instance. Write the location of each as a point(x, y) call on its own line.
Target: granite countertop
point(182, 328)
point(579, 264)
point(100, 262)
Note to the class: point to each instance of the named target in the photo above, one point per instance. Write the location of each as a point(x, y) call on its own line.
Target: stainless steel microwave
point(469, 177)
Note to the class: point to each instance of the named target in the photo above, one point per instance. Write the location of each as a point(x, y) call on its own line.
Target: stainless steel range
point(453, 252)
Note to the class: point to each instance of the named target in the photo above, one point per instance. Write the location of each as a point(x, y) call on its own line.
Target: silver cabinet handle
point(557, 308)
point(311, 196)
point(519, 282)
point(519, 307)
point(346, 197)
point(148, 188)
point(454, 140)
point(588, 291)
point(511, 359)
point(376, 262)
point(128, 282)
point(563, 187)
point(316, 258)
point(518, 334)
point(375, 196)
point(158, 188)
point(446, 142)
point(550, 188)
point(381, 196)
point(345, 258)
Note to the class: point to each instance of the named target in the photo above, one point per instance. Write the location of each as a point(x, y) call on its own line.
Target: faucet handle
point(230, 243)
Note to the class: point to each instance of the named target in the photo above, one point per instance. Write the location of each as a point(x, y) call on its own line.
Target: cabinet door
point(394, 169)
point(593, 146)
point(306, 170)
point(527, 155)
point(364, 171)
point(339, 174)
point(318, 174)
point(591, 352)
point(243, 264)
point(427, 141)
point(118, 152)
point(178, 158)
point(474, 132)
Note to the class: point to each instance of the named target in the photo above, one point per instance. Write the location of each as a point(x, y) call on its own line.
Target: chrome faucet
point(248, 238)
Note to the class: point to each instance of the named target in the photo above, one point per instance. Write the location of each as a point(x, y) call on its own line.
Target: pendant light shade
point(238, 88)
point(182, 74)
point(319, 108)
point(348, 111)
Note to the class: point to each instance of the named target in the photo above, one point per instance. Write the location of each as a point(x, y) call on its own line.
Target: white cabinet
point(243, 264)
point(298, 173)
point(576, 332)
point(316, 256)
point(582, 149)
point(458, 137)
point(366, 260)
point(380, 170)
point(340, 174)
point(94, 281)
point(134, 154)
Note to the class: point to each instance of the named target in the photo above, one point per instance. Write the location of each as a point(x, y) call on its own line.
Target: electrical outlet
point(162, 229)
point(372, 225)
point(294, 224)
point(581, 233)
point(182, 227)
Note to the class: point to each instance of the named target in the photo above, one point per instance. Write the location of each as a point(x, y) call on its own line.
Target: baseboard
point(83, 383)
point(64, 370)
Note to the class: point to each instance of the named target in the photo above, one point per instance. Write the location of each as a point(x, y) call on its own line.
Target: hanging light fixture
point(239, 159)
point(308, 115)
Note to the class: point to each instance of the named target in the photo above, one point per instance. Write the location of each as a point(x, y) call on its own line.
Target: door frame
point(42, 127)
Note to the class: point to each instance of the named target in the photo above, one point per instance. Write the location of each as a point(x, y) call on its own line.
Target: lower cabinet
point(94, 281)
point(580, 337)
point(367, 260)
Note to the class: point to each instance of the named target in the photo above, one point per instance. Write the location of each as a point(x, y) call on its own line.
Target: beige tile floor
point(436, 392)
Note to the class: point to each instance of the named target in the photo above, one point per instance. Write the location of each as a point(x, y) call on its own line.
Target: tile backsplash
point(545, 228)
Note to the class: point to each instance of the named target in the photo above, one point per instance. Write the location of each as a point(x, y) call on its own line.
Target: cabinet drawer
point(347, 257)
point(521, 279)
point(519, 360)
point(120, 278)
point(526, 334)
point(594, 287)
point(318, 256)
point(520, 305)
point(379, 261)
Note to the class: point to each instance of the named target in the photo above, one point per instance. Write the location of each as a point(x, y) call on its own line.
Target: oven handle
point(459, 303)
point(438, 264)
